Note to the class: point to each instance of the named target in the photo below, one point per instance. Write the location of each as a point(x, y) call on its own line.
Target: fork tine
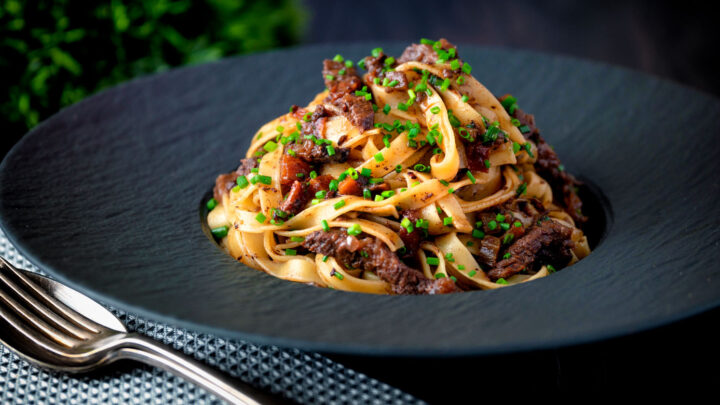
point(32, 320)
point(52, 307)
point(31, 303)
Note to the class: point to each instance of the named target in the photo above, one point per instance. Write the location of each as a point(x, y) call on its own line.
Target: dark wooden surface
point(677, 40)
point(674, 40)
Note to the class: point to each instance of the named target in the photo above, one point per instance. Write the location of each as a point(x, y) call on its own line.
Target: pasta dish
point(412, 178)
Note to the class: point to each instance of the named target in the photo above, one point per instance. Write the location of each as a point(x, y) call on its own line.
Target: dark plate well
point(104, 196)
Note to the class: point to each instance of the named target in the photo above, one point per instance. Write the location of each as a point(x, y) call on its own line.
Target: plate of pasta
point(419, 199)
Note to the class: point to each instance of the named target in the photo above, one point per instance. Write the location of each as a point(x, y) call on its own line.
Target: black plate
point(105, 197)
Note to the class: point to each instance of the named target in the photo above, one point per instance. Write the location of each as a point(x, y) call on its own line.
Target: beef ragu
point(411, 178)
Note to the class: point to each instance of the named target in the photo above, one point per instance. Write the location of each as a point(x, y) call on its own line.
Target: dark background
point(674, 40)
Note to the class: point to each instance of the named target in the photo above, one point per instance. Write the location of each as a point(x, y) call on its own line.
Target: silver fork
point(57, 328)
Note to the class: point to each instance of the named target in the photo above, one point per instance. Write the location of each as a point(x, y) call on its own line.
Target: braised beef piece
point(342, 89)
point(297, 198)
point(350, 186)
point(356, 109)
point(293, 168)
point(412, 239)
point(313, 153)
point(548, 243)
point(338, 83)
point(426, 54)
point(548, 166)
point(489, 249)
point(375, 66)
point(477, 151)
point(346, 249)
point(224, 182)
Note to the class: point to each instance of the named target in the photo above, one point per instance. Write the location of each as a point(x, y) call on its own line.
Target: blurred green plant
point(56, 52)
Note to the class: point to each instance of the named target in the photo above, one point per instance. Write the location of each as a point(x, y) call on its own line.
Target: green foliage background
point(56, 52)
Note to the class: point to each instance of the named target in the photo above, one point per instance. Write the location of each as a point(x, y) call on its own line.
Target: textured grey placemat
point(307, 378)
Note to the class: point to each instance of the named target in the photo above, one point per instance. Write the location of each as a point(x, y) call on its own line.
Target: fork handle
point(140, 348)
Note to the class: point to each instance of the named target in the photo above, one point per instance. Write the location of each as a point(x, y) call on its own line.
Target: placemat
point(306, 378)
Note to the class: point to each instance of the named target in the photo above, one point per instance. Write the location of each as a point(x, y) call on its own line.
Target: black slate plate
point(106, 197)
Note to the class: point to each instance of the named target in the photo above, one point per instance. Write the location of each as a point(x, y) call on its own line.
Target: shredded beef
point(225, 182)
point(489, 248)
point(548, 166)
point(426, 54)
point(356, 109)
point(412, 239)
point(378, 258)
point(548, 243)
point(296, 199)
point(344, 83)
point(313, 153)
point(342, 89)
point(293, 168)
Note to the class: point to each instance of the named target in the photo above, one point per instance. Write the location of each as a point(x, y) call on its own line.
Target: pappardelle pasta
point(410, 179)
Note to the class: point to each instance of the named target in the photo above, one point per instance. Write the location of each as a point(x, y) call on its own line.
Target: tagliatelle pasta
point(412, 179)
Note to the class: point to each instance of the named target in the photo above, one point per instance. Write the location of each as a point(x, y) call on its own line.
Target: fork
point(57, 328)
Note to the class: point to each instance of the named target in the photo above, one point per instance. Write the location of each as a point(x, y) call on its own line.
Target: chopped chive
point(455, 64)
point(460, 80)
point(508, 238)
point(290, 252)
point(472, 273)
point(507, 255)
point(449, 257)
point(522, 189)
point(389, 61)
point(376, 180)
point(330, 150)
point(461, 267)
point(471, 177)
point(260, 217)
point(354, 230)
point(466, 68)
point(379, 198)
point(407, 224)
point(379, 157)
point(550, 268)
point(280, 128)
point(517, 224)
point(211, 204)
point(333, 186)
point(439, 275)
point(330, 77)
point(524, 129)
point(270, 146)
point(393, 83)
point(376, 52)
point(365, 172)
point(388, 193)
point(325, 225)
point(500, 217)
point(505, 226)
point(433, 261)
point(447, 221)
point(464, 98)
point(339, 204)
point(367, 195)
point(476, 233)
point(492, 225)
point(487, 163)
point(220, 232)
point(501, 281)
point(325, 258)
point(236, 189)
point(321, 194)
point(435, 110)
